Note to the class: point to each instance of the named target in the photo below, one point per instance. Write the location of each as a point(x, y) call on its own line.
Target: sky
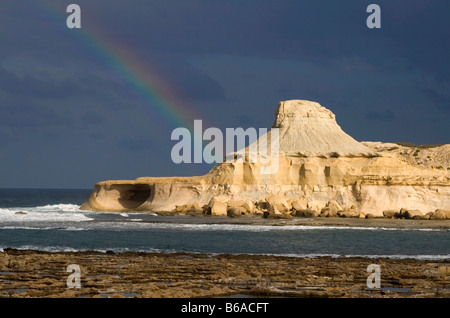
point(83, 105)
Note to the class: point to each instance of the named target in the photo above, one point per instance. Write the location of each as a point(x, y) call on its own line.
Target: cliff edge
point(317, 166)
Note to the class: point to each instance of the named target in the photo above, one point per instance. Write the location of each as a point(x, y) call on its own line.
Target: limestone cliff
point(316, 162)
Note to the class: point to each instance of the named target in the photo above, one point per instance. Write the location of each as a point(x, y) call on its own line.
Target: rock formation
point(318, 165)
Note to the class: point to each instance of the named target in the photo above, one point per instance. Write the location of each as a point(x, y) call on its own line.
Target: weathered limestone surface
point(317, 162)
point(174, 275)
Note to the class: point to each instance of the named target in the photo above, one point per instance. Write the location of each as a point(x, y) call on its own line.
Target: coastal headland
point(313, 169)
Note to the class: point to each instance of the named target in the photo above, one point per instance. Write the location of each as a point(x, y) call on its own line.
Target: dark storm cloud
point(440, 100)
point(41, 34)
point(281, 29)
point(196, 86)
point(245, 121)
point(385, 116)
point(33, 87)
point(135, 144)
point(33, 101)
point(23, 115)
point(229, 60)
point(92, 118)
point(43, 86)
point(191, 83)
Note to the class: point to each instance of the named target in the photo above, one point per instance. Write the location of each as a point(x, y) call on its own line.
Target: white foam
point(52, 212)
point(43, 248)
point(63, 249)
point(261, 228)
point(54, 249)
point(317, 255)
point(23, 227)
point(395, 256)
point(73, 228)
point(59, 207)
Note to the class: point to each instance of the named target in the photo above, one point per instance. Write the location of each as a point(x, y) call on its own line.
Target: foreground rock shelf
point(40, 274)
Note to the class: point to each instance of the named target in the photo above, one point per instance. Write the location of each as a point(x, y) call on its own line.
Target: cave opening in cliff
point(131, 197)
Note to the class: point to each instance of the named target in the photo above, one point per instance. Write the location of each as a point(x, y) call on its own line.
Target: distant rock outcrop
point(321, 171)
point(308, 129)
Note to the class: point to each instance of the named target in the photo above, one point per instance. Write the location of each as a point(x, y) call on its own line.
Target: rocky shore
point(25, 273)
point(278, 207)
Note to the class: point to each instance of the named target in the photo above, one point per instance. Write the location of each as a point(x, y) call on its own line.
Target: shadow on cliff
point(132, 198)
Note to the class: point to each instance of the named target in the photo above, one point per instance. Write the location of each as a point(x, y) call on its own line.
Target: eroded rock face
point(309, 129)
point(317, 162)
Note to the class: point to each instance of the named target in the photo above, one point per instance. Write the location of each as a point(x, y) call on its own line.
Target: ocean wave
point(141, 225)
point(46, 213)
point(53, 249)
point(394, 256)
point(62, 207)
point(66, 249)
point(73, 228)
point(56, 227)
point(67, 207)
point(253, 227)
point(78, 222)
point(118, 250)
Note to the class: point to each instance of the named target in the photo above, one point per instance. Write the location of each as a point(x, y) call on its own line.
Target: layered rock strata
point(316, 162)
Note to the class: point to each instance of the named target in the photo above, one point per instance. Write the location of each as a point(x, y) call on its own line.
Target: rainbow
point(163, 110)
point(166, 109)
point(162, 99)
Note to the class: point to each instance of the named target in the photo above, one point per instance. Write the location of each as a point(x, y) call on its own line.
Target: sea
point(51, 220)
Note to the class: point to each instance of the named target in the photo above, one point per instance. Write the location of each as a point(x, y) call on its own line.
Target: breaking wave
point(63, 249)
point(48, 213)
